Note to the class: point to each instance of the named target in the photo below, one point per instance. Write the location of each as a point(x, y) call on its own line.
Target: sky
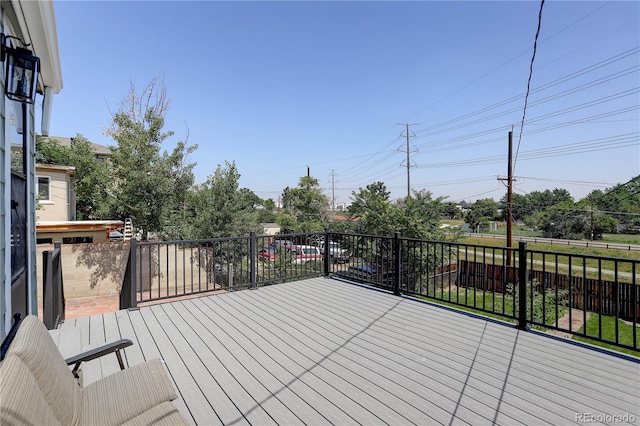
point(280, 88)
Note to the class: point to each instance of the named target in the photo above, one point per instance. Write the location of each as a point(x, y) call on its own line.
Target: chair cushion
point(22, 401)
point(165, 414)
point(122, 396)
point(37, 350)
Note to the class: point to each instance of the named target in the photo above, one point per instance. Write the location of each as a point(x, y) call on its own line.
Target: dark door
point(19, 287)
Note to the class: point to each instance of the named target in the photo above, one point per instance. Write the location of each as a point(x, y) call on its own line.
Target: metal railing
point(53, 303)
point(169, 269)
point(586, 296)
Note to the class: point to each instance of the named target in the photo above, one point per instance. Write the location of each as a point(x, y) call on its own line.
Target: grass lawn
point(621, 239)
point(625, 333)
point(498, 306)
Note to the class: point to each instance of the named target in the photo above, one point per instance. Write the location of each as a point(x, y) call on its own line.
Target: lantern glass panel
point(20, 72)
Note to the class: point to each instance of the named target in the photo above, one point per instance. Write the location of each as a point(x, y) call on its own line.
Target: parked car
point(336, 253)
point(306, 254)
point(267, 254)
point(115, 235)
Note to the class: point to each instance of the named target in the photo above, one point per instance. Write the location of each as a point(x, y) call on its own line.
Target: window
point(77, 240)
point(43, 188)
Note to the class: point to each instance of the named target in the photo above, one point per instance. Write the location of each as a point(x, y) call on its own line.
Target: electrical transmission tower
point(333, 190)
point(408, 151)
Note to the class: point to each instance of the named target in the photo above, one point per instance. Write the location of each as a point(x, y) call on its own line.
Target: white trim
point(47, 102)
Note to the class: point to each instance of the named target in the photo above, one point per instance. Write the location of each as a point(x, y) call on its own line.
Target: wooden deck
point(321, 351)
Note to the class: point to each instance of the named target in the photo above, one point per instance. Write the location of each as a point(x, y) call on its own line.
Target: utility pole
point(509, 196)
point(592, 222)
point(408, 156)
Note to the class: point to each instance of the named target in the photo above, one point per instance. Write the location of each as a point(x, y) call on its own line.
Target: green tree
point(415, 217)
point(266, 211)
point(220, 208)
point(50, 151)
point(481, 212)
point(92, 180)
point(566, 220)
point(419, 216)
point(146, 179)
point(307, 204)
point(373, 208)
point(451, 211)
point(521, 207)
point(177, 225)
point(621, 203)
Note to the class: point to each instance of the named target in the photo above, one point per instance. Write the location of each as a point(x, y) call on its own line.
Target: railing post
point(47, 290)
point(254, 258)
point(61, 302)
point(327, 252)
point(134, 273)
point(522, 285)
point(397, 267)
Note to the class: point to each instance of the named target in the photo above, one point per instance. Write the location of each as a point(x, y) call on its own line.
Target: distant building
point(56, 196)
point(102, 152)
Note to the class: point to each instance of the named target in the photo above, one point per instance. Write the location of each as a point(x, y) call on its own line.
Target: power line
point(526, 97)
point(620, 141)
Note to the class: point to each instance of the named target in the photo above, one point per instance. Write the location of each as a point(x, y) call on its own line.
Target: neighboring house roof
point(77, 224)
point(55, 168)
point(346, 219)
point(97, 148)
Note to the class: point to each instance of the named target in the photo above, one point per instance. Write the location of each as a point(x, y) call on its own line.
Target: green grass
point(621, 239)
point(498, 306)
point(481, 301)
point(625, 333)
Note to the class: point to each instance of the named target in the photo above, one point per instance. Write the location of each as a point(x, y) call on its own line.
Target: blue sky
point(279, 86)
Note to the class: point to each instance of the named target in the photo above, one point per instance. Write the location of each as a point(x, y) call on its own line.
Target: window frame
point(39, 193)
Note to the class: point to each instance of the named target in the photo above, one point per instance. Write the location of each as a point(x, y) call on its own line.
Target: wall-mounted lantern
point(21, 70)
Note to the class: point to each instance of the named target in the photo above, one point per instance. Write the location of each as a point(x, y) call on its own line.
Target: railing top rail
point(187, 242)
point(346, 234)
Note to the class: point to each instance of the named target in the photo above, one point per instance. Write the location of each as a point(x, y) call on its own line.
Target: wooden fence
point(590, 294)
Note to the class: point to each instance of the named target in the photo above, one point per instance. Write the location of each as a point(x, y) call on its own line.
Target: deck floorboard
point(323, 351)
